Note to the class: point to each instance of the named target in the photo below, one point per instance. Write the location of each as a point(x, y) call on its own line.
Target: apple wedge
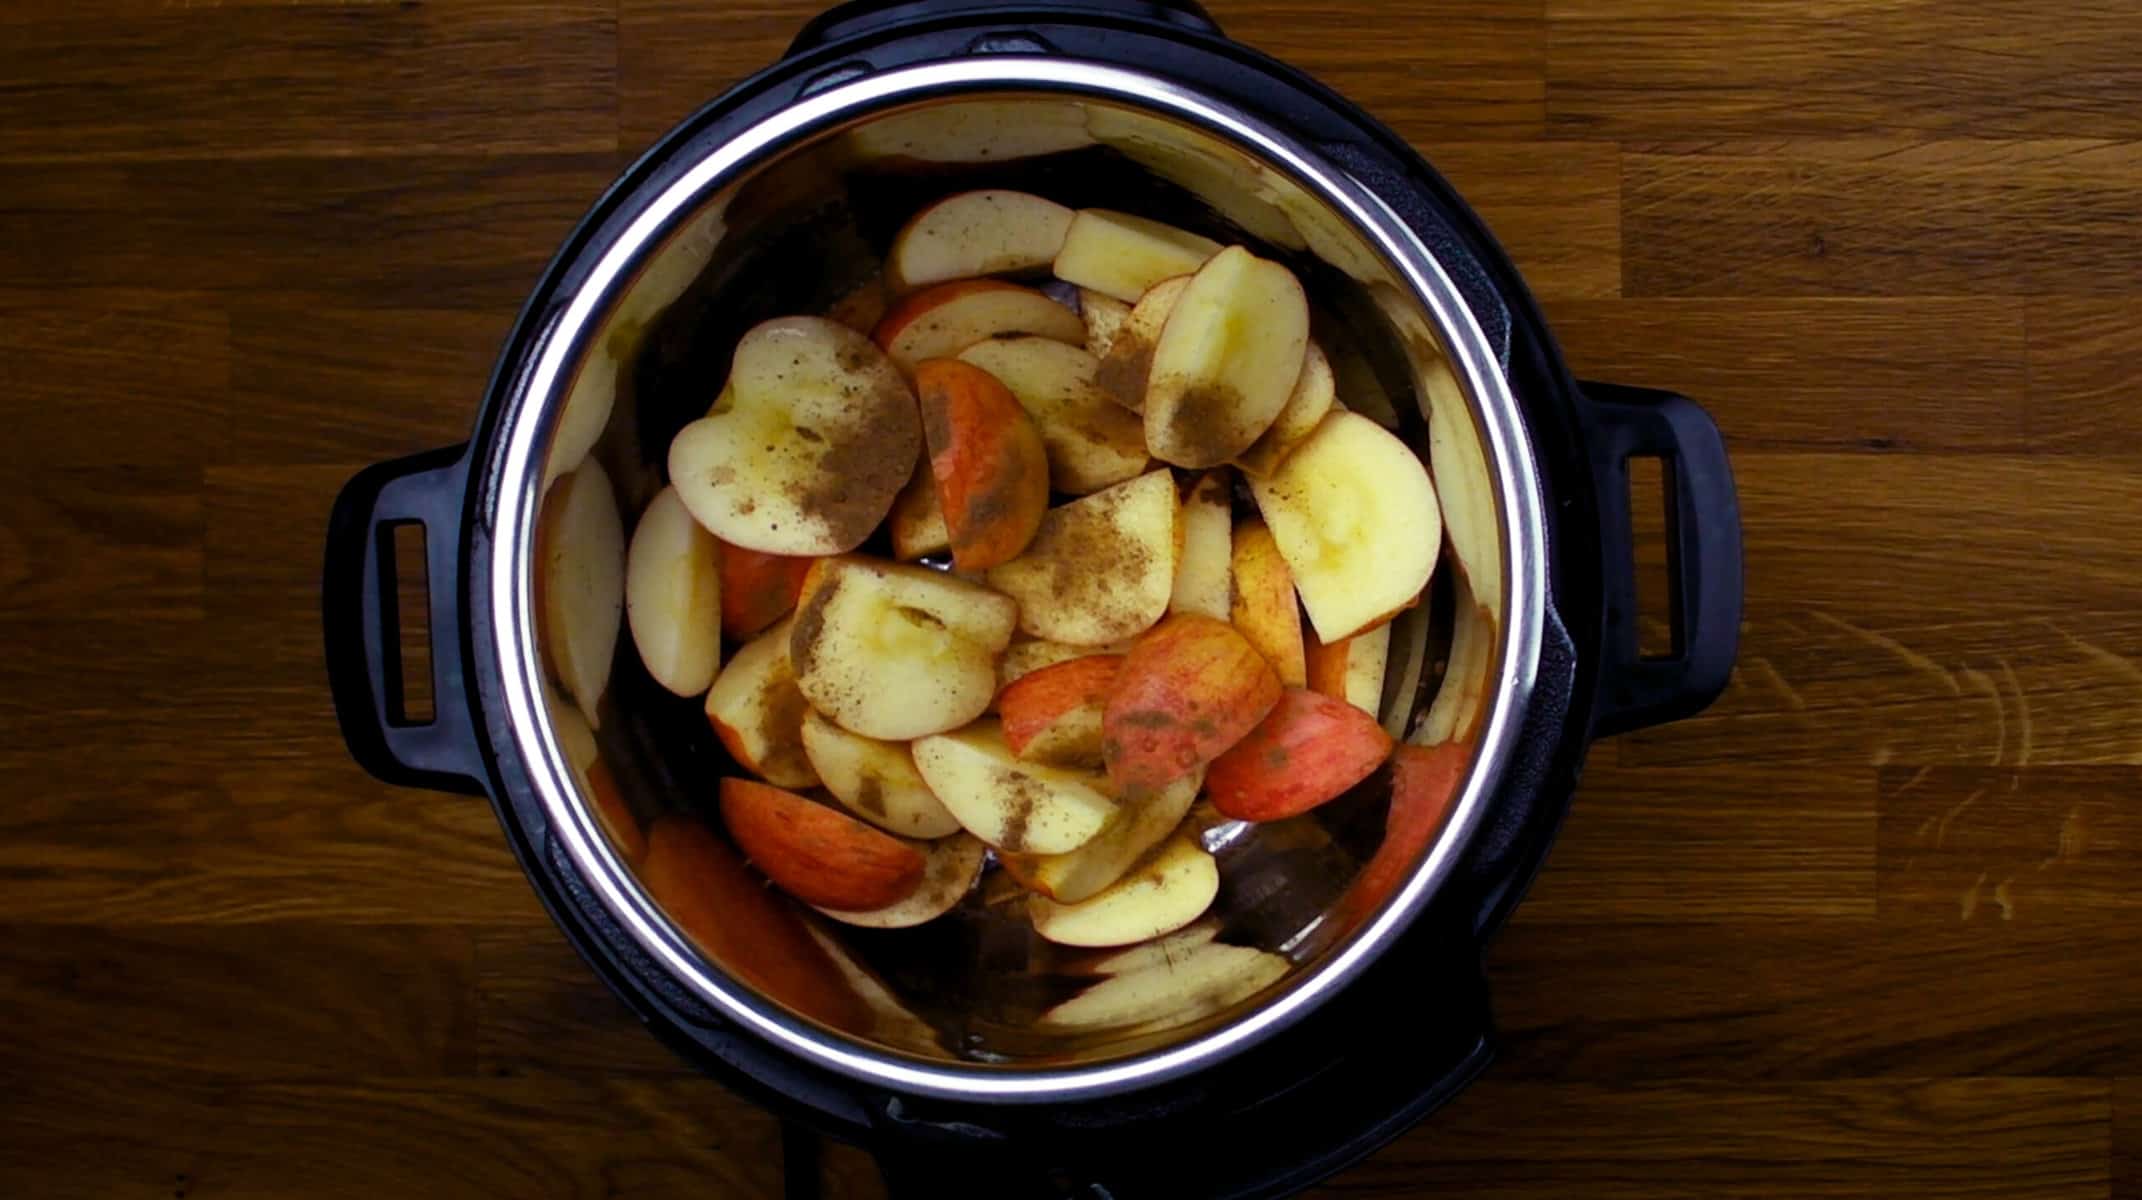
point(1227, 360)
point(1463, 486)
point(1103, 315)
point(875, 780)
point(990, 232)
point(757, 711)
point(1136, 830)
point(1357, 521)
point(741, 924)
point(596, 781)
point(1120, 255)
point(1314, 393)
point(1022, 659)
point(987, 457)
point(893, 652)
point(1454, 714)
point(941, 321)
point(1053, 715)
point(1308, 752)
point(580, 583)
point(949, 870)
point(819, 435)
point(1425, 781)
point(819, 855)
point(1092, 443)
point(1198, 982)
point(1264, 609)
point(1204, 579)
point(1353, 670)
point(1128, 362)
point(1102, 568)
point(1156, 953)
point(974, 131)
point(1016, 806)
point(1163, 892)
point(1187, 691)
point(673, 596)
point(757, 589)
point(917, 523)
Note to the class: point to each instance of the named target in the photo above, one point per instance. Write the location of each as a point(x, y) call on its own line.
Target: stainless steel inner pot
point(640, 349)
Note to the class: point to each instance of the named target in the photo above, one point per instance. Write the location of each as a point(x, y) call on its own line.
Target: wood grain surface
point(1870, 926)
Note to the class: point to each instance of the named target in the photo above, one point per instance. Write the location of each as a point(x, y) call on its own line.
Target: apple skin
point(1188, 691)
point(758, 589)
point(941, 321)
point(1053, 715)
point(817, 854)
point(1425, 782)
point(987, 456)
point(1309, 751)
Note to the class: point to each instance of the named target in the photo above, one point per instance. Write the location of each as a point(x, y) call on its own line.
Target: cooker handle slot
point(875, 16)
point(1703, 556)
point(361, 623)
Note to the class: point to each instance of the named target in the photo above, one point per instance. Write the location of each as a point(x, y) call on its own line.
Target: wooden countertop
point(1867, 927)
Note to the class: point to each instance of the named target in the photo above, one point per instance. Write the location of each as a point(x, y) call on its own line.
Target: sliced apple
point(1128, 363)
point(1204, 579)
point(1092, 443)
point(1165, 891)
point(741, 924)
point(917, 523)
point(1314, 393)
point(1121, 255)
point(757, 589)
point(974, 131)
point(1054, 714)
point(1102, 568)
point(819, 435)
point(1353, 670)
point(1188, 691)
point(940, 322)
point(1227, 360)
point(1017, 806)
point(875, 780)
point(1085, 872)
point(1454, 714)
point(1200, 981)
point(820, 856)
point(580, 583)
point(1308, 752)
point(1425, 782)
point(988, 232)
point(1158, 952)
point(1264, 608)
point(1104, 315)
point(757, 711)
point(894, 652)
point(597, 783)
point(586, 413)
point(673, 596)
point(1022, 659)
point(1357, 521)
point(949, 870)
point(1463, 485)
point(991, 469)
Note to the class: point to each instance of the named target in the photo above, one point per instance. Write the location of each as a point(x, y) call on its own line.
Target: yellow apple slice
point(971, 234)
point(819, 435)
point(940, 322)
point(1104, 315)
point(580, 583)
point(917, 522)
point(1204, 579)
point(1463, 486)
point(875, 780)
point(1314, 394)
point(1353, 670)
point(949, 870)
point(586, 413)
point(974, 131)
point(1121, 255)
point(1357, 521)
point(1102, 568)
point(1014, 805)
point(894, 652)
point(1226, 361)
point(1129, 361)
point(1201, 981)
point(1022, 659)
point(1170, 888)
point(1091, 442)
point(1264, 608)
point(1454, 714)
point(757, 711)
point(1156, 953)
point(673, 596)
point(1083, 873)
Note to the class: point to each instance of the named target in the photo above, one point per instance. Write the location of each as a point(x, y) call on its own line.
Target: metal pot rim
point(515, 489)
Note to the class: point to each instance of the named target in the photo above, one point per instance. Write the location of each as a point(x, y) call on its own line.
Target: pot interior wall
point(806, 233)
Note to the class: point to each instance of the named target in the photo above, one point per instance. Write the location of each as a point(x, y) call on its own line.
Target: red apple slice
point(757, 711)
point(1309, 751)
point(1227, 360)
point(757, 589)
point(1054, 715)
point(1425, 782)
point(673, 596)
point(1092, 443)
point(1188, 690)
point(1204, 579)
point(989, 232)
point(942, 321)
point(987, 457)
point(821, 857)
point(1264, 608)
point(1024, 658)
point(1121, 255)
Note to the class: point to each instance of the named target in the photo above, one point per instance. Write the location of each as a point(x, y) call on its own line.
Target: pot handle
point(870, 16)
point(1703, 556)
point(360, 622)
